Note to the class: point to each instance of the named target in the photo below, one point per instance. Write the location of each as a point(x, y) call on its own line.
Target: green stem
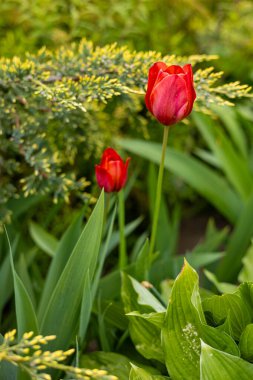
point(158, 196)
point(122, 243)
point(107, 208)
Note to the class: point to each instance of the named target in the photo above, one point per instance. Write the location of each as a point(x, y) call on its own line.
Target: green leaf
point(234, 165)
point(218, 365)
point(25, 314)
point(229, 117)
point(246, 343)
point(59, 261)
point(180, 336)
point(145, 335)
point(206, 181)
point(138, 373)
point(116, 364)
point(44, 240)
point(185, 325)
point(86, 307)
point(238, 244)
point(156, 318)
point(223, 287)
point(7, 370)
point(62, 315)
point(198, 260)
point(141, 263)
point(246, 273)
point(235, 305)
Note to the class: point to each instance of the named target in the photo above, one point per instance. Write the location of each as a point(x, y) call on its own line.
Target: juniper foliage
point(58, 111)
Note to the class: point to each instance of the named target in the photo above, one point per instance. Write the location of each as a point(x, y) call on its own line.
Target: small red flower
point(111, 173)
point(170, 94)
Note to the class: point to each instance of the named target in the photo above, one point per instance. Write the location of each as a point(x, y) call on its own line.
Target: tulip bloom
point(111, 173)
point(170, 94)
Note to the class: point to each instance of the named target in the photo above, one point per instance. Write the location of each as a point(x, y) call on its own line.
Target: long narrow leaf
point(26, 317)
point(204, 180)
point(63, 312)
point(60, 259)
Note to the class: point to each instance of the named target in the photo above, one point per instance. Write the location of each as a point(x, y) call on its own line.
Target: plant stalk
point(158, 196)
point(122, 243)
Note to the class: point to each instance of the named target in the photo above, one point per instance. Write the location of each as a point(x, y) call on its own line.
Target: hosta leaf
point(138, 373)
point(180, 336)
point(235, 305)
point(115, 364)
point(156, 318)
point(246, 343)
point(218, 365)
point(184, 327)
point(145, 335)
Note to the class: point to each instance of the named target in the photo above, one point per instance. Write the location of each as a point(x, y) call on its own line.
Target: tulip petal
point(152, 76)
point(110, 155)
point(124, 173)
point(115, 169)
point(189, 84)
point(169, 100)
point(104, 179)
point(174, 69)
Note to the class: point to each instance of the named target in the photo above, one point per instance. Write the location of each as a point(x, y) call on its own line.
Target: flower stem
point(122, 243)
point(158, 196)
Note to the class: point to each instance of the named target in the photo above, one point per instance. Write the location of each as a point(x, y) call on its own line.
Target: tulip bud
point(170, 94)
point(111, 173)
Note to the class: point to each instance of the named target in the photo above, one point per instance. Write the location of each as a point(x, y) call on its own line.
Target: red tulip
point(111, 173)
point(170, 94)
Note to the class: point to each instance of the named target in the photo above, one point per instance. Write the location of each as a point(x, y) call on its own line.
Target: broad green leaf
point(59, 261)
point(218, 365)
point(235, 305)
point(222, 287)
point(25, 314)
point(180, 336)
point(203, 179)
point(138, 373)
point(116, 364)
point(219, 339)
point(184, 327)
point(145, 335)
point(246, 343)
point(44, 240)
point(62, 314)
point(156, 318)
point(246, 273)
point(143, 299)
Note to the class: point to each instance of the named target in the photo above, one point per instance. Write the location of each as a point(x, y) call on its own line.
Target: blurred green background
point(184, 27)
point(172, 27)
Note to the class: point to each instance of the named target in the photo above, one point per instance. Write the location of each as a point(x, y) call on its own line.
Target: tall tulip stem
point(122, 243)
point(158, 196)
